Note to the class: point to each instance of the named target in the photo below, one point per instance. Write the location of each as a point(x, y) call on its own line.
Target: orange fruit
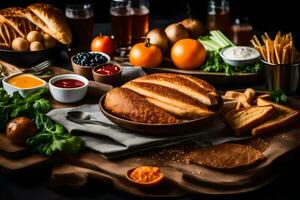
point(103, 44)
point(145, 55)
point(188, 54)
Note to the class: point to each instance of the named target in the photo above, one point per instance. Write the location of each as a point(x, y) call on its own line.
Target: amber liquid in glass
point(220, 21)
point(82, 32)
point(242, 34)
point(140, 24)
point(121, 27)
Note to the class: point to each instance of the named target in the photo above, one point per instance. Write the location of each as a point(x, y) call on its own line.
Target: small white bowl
point(239, 62)
point(68, 95)
point(24, 92)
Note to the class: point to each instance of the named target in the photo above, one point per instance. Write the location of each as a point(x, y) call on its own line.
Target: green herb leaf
point(42, 105)
point(279, 97)
point(52, 137)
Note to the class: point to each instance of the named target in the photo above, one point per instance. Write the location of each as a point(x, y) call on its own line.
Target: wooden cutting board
point(188, 177)
point(15, 159)
point(181, 176)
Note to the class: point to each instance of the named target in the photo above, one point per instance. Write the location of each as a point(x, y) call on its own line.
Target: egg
point(34, 36)
point(19, 44)
point(36, 46)
point(48, 41)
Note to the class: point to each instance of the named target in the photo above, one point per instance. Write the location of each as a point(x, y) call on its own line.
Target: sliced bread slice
point(247, 118)
point(282, 117)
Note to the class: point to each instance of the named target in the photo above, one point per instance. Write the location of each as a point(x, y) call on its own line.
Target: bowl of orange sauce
point(23, 83)
point(145, 176)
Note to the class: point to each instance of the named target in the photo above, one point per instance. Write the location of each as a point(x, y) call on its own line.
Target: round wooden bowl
point(159, 129)
point(144, 185)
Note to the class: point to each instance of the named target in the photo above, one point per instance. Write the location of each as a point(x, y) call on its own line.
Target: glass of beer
point(130, 22)
point(140, 20)
point(121, 22)
point(242, 31)
point(219, 16)
point(80, 18)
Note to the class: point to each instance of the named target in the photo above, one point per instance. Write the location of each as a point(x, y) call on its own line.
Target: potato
point(34, 36)
point(18, 130)
point(19, 44)
point(48, 41)
point(36, 46)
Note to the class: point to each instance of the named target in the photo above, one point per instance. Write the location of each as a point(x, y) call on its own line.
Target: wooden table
point(30, 186)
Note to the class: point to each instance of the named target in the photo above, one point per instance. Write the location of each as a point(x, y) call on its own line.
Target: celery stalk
point(216, 37)
point(225, 38)
point(209, 45)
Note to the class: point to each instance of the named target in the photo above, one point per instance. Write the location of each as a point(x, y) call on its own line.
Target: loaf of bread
point(182, 97)
point(129, 105)
point(167, 98)
point(51, 20)
point(45, 18)
point(16, 18)
point(195, 88)
point(244, 119)
point(282, 117)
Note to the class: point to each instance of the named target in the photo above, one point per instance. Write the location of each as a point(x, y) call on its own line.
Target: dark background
point(265, 15)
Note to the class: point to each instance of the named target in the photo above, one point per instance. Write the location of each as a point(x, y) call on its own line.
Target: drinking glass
point(130, 22)
point(242, 31)
point(121, 22)
point(140, 20)
point(219, 16)
point(80, 18)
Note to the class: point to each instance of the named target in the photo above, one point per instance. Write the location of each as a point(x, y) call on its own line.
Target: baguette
point(168, 96)
point(282, 117)
point(244, 119)
point(202, 92)
point(179, 111)
point(129, 105)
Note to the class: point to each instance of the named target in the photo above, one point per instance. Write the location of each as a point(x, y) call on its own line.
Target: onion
point(194, 26)
point(18, 130)
point(158, 38)
point(176, 32)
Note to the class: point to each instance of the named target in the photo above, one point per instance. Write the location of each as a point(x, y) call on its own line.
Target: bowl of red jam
point(68, 88)
point(109, 73)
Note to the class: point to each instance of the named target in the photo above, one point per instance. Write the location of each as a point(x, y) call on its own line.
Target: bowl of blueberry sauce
point(84, 62)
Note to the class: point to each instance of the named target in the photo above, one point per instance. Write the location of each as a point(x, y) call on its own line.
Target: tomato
point(188, 54)
point(103, 44)
point(145, 55)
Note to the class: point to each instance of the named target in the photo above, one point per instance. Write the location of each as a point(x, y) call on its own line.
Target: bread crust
point(129, 105)
point(54, 19)
point(226, 156)
point(244, 119)
point(7, 34)
point(15, 17)
point(194, 108)
point(18, 22)
point(282, 117)
point(182, 84)
point(161, 92)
